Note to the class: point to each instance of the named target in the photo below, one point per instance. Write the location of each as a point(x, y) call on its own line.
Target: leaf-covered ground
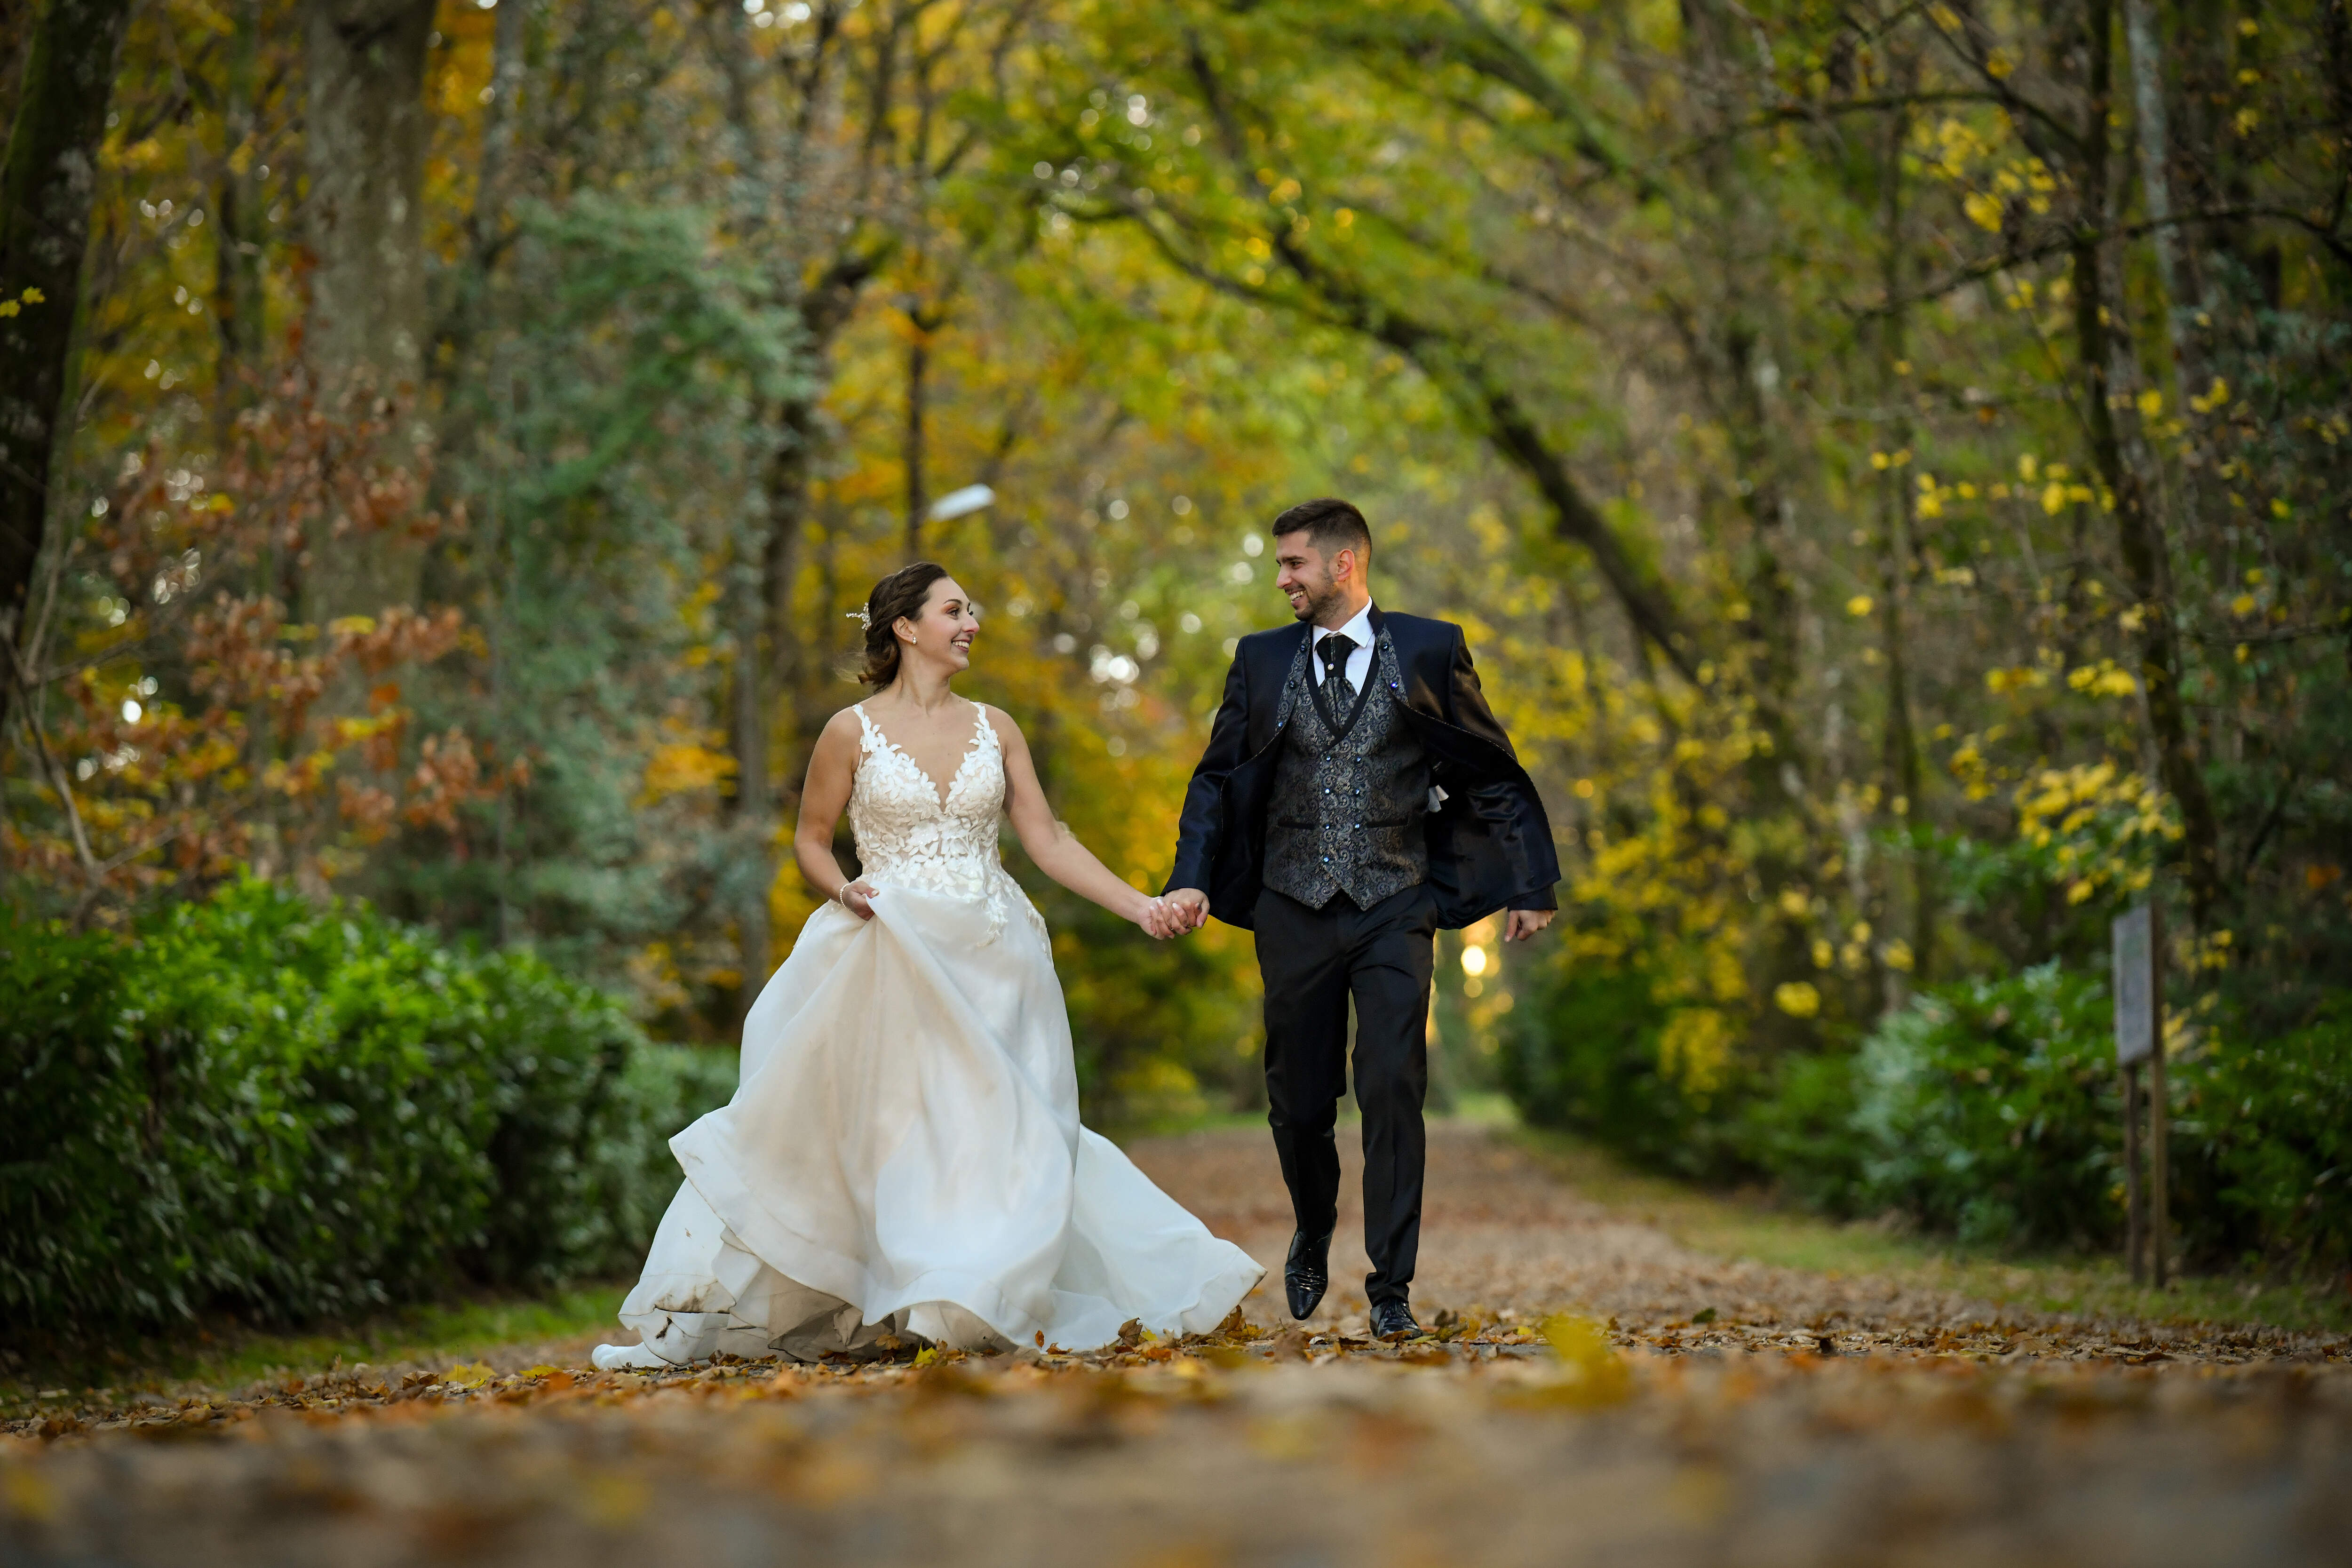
point(1594, 1393)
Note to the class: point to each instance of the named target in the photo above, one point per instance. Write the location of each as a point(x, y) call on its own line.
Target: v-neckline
point(941, 793)
point(1322, 700)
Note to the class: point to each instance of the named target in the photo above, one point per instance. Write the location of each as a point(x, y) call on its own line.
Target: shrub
point(1988, 1109)
point(1797, 1128)
point(1579, 1051)
point(261, 1104)
point(2265, 1147)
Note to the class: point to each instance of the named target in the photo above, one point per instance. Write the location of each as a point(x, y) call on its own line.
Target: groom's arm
point(1199, 825)
point(1530, 912)
point(1468, 699)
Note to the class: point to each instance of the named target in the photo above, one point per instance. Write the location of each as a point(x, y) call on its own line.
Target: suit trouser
point(1312, 962)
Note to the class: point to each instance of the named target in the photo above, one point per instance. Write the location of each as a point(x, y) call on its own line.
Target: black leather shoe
point(1308, 1273)
point(1393, 1320)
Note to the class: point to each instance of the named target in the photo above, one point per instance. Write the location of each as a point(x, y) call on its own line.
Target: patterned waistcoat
point(1350, 790)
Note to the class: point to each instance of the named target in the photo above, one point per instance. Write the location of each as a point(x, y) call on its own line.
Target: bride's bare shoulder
point(1002, 722)
point(842, 730)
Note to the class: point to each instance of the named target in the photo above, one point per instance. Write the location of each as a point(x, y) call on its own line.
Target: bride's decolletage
point(910, 836)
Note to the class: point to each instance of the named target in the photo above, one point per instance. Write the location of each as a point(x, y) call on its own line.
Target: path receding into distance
point(1808, 1420)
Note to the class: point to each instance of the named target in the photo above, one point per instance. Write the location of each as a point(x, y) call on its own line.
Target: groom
point(1357, 796)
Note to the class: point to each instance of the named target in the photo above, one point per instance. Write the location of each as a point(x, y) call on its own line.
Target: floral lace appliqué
point(908, 837)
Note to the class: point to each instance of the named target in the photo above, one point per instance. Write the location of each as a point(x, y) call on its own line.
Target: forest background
point(1894, 463)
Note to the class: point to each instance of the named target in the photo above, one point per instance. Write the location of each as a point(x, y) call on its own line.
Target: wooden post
point(2158, 1108)
point(2134, 1198)
point(2139, 1036)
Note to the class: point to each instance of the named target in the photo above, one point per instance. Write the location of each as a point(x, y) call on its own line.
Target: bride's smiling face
point(943, 629)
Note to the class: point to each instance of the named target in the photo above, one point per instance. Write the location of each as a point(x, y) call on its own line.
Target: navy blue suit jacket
point(1489, 846)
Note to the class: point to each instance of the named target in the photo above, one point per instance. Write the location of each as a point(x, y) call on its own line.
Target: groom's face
point(1307, 578)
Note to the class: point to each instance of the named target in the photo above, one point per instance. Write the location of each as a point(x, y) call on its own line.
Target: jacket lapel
point(1288, 652)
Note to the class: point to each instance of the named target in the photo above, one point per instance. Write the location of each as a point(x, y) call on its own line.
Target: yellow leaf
point(29, 1495)
point(1860, 605)
point(469, 1374)
point(1591, 1372)
point(1797, 998)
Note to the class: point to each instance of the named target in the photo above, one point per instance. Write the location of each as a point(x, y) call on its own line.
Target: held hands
point(1171, 915)
point(1188, 910)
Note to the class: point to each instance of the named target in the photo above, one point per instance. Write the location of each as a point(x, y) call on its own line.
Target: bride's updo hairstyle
point(899, 596)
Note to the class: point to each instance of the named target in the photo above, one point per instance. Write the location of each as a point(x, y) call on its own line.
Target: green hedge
point(1986, 1108)
point(257, 1104)
point(2267, 1161)
point(1989, 1109)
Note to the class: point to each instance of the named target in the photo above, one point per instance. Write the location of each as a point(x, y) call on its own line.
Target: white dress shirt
point(1359, 662)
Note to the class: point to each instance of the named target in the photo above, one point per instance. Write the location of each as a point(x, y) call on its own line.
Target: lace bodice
point(908, 837)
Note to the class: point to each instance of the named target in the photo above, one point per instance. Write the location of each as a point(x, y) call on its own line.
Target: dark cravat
point(1335, 650)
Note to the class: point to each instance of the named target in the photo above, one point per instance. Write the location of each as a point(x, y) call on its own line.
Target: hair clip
point(863, 616)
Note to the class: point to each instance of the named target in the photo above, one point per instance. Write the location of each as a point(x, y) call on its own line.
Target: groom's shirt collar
point(1359, 661)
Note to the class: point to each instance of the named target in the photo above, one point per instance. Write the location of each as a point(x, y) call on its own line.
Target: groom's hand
point(1192, 907)
point(1525, 923)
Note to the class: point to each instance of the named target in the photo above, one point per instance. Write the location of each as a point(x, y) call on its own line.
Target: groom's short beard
point(1319, 598)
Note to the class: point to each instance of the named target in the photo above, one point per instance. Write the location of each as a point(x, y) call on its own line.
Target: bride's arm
point(1056, 849)
point(824, 797)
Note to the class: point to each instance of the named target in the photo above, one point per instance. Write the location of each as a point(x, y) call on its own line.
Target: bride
point(903, 1155)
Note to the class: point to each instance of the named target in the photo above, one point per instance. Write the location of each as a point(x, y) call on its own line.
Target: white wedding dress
point(903, 1155)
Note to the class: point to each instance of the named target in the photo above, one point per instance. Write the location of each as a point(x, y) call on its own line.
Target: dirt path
point(1808, 1420)
point(1500, 1232)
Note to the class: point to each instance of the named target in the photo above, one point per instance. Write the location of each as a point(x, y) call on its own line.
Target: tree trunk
point(754, 798)
point(918, 363)
point(1897, 492)
point(2156, 183)
point(47, 184)
point(2098, 326)
point(237, 298)
point(367, 130)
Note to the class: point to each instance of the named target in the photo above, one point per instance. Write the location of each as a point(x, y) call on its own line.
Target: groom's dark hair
point(1331, 525)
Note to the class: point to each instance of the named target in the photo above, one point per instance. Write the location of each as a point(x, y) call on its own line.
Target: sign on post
point(2138, 980)
point(2135, 979)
